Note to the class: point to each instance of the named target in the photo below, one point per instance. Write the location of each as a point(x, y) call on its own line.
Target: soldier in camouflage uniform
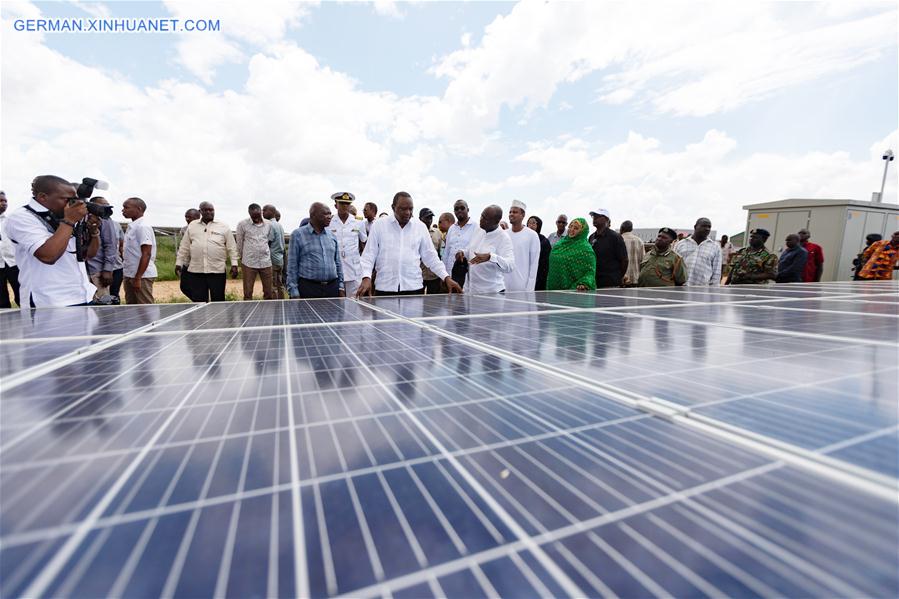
point(754, 264)
point(661, 266)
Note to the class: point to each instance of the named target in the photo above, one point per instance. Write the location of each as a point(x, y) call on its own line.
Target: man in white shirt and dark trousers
point(490, 255)
point(42, 233)
point(140, 254)
point(702, 256)
point(397, 246)
point(526, 247)
point(351, 236)
point(9, 272)
point(457, 238)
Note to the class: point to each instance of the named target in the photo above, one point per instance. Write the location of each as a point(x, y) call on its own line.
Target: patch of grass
point(165, 258)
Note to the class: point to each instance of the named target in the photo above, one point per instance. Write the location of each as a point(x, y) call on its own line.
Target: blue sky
point(660, 113)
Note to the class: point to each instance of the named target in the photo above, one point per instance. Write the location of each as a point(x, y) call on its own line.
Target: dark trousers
point(459, 272)
point(413, 292)
point(184, 285)
point(309, 289)
point(116, 285)
point(9, 274)
point(206, 286)
point(433, 286)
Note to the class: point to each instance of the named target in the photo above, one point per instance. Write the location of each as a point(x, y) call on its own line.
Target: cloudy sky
point(659, 112)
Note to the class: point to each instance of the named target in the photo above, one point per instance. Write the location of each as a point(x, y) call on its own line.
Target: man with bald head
point(204, 249)
point(490, 254)
point(314, 266)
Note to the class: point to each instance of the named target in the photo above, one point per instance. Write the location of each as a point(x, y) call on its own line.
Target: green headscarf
point(572, 262)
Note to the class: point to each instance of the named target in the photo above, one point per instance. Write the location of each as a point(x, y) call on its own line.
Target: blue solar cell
point(441, 446)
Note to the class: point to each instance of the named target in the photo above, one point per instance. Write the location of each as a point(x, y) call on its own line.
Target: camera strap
point(50, 221)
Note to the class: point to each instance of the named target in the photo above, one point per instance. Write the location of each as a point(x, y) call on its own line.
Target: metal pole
point(883, 183)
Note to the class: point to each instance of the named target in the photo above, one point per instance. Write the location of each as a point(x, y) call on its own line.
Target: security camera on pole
point(888, 157)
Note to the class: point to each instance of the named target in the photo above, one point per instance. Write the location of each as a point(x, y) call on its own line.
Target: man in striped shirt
point(701, 255)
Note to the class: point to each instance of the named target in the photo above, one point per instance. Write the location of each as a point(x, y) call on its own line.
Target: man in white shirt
point(526, 247)
point(490, 255)
point(702, 256)
point(9, 272)
point(457, 238)
point(397, 246)
point(140, 254)
point(351, 236)
point(42, 233)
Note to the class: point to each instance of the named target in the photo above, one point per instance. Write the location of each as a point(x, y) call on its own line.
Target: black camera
point(86, 190)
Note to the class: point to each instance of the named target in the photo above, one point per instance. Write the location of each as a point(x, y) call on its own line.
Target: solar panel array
point(737, 441)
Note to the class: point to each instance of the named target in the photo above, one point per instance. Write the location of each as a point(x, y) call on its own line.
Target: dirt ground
point(168, 291)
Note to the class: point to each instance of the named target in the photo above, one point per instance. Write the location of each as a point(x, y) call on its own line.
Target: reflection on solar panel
point(738, 441)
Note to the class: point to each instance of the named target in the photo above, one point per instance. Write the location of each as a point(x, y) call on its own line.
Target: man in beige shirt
point(635, 253)
point(206, 245)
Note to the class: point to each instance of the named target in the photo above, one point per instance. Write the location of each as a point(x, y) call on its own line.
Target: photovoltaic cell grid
point(738, 441)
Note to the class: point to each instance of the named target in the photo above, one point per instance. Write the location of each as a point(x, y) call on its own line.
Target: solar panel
point(737, 441)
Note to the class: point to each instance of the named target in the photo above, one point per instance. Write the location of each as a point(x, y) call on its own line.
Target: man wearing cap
point(350, 234)
point(397, 246)
point(457, 239)
point(489, 254)
point(610, 250)
point(662, 266)
point(526, 250)
point(432, 283)
point(702, 255)
point(753, 264)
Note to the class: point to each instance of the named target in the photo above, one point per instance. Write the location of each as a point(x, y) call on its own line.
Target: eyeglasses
point(561, 222)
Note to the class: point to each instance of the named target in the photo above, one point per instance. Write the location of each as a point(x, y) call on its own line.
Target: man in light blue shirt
point(313, 262)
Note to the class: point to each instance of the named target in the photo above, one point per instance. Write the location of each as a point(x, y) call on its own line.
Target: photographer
point(46, 248)
point(102, 267)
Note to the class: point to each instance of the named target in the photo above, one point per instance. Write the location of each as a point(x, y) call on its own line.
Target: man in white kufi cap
point(526, 249)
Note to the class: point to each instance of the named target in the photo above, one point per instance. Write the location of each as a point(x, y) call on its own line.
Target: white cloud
point(663, 55)
point(387, 8)
point(244, 25)
point(639, 179)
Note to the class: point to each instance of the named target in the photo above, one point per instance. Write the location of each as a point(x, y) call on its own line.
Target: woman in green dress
point(572, 263)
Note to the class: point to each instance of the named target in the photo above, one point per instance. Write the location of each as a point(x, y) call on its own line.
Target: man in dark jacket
point(792, 261)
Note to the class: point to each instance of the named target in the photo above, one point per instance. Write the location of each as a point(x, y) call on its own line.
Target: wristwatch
point(65, 222)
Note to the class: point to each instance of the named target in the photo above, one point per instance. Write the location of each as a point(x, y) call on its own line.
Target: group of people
point(57, 254)
point(338, 255)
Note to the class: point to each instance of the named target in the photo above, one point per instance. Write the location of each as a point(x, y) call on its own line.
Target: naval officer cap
point(343, 197)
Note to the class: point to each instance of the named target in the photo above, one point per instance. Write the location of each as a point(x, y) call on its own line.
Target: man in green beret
point(662, 267)
point(753, 264)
